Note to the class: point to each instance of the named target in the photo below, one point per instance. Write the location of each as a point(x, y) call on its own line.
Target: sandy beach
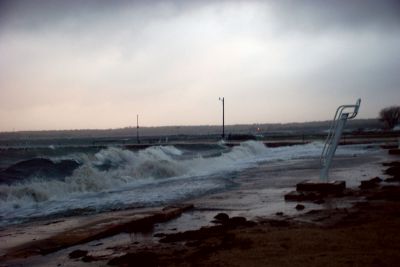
point(255, 226)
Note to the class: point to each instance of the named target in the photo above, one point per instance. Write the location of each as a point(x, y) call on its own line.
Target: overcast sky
point(96, 64)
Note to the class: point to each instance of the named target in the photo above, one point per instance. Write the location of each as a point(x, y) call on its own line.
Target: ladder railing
point(334, 135)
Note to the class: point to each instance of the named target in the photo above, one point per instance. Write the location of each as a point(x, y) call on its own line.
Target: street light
point(137, 129)
point(223, 117)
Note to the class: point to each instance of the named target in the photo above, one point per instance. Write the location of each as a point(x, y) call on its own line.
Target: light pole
point(223, 117)
point(137, 129)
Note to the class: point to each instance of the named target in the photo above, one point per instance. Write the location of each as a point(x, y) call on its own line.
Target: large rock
point(316, 191)
point(372, 183)
point(221, 217)
point(394, 171)
point(303, 196)
point(332, 187)
point(394, 179)
point(394, 151)
point(391, 164)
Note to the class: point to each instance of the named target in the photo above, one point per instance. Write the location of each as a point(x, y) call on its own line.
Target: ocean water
point(64, 181)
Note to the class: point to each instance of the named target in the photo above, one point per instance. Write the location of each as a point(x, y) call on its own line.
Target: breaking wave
point(159, 173)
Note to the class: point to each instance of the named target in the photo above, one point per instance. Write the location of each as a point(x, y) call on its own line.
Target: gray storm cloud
point(65, 62)
point(303, 15)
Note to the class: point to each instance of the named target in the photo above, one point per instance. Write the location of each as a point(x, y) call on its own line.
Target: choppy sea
point(68, 180)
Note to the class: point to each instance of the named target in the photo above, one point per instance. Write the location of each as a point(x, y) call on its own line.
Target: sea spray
point(116, 178)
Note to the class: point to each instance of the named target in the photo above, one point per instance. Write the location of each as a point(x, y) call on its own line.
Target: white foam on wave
point(157, 167)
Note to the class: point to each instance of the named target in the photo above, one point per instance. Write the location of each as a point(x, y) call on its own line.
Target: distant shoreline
point(254, 128)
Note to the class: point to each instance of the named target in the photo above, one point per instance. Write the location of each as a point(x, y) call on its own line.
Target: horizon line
point(166, 126)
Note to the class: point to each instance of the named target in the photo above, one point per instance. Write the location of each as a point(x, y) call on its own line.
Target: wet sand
point(263, 230)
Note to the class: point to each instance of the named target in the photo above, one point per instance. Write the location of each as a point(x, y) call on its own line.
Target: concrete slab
point(96, 229)
point(321, 187)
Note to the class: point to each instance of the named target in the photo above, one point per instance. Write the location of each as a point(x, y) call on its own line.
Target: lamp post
point(137, 129)
point(223, 117)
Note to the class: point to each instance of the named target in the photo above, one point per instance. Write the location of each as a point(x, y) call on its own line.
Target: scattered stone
point(280, 213)
point(332, 187)
point(88, 258)
point(277, 223)
point(350, 192)
point(205, 232)
point(372, 183)
point(159, 235)
point(395, 151)
point(391, 193)
point(237, 221)
point(314, 212)
point(303, 196)
point(391, 164)
point(393, 179)
point(222, 217)
point(319, 201)
point(98, 229)
point(389, 146)
point(78, 254)
point(394, 171)
point(300, 207)
point(136, 259)
point(194, 234)
point(316, 191)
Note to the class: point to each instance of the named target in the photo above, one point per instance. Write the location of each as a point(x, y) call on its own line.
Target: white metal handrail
point(334, 134)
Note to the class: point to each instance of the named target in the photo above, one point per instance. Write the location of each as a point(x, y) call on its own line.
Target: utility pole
point(137, 129)
point(223, 117)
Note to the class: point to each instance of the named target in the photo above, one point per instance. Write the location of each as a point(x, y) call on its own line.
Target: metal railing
point(334, 134)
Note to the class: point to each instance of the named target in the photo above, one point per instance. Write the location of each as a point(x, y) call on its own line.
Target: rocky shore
point(367, 234)
point(364, 232)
